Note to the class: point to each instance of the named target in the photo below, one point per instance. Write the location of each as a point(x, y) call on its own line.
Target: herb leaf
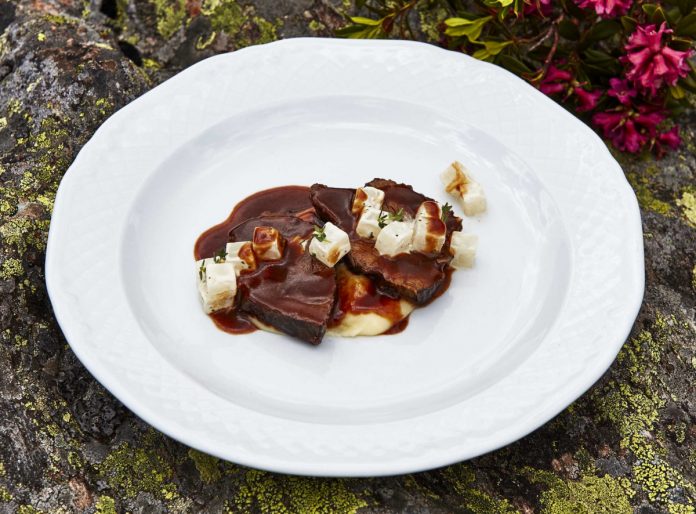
point(320, 234)
point(220, 256)
point(201, 270)
point(387, 217)
point(446, 211)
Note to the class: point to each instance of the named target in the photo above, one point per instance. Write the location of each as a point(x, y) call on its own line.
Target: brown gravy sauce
point(356, 293)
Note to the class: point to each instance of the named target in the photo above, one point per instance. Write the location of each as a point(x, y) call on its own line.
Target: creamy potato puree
point(367, 324)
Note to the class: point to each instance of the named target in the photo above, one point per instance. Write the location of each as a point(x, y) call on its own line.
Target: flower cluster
point(622, 65)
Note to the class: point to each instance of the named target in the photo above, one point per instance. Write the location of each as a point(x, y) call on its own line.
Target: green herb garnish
point(387, 217)
point(220, 256)
point(320, 234)
point(446, 211)
point(201, 270)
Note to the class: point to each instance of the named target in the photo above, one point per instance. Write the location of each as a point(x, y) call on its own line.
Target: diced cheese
point(429, 231)
point(368, 224)
point(459, 183)
point(241, 255)
point(333, 246)
point(463, 248)
point(267, 243)
point(395, 238)
point(367, 197)
point(217, 284)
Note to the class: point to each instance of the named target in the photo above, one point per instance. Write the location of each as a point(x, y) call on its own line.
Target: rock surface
point(66, 445)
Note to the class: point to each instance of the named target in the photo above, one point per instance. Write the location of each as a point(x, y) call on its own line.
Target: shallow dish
point(556, 288)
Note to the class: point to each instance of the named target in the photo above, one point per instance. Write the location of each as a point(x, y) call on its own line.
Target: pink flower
point(587, 100)
point(558, 81)
point(652, 62)
point(542, 7)
point(620, 90)
point(606, 8)
point(670, 138)
point(631, 129)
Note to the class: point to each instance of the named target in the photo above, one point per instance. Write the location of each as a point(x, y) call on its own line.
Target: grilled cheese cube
point(334, 245)
point(459, 183)
point(367, 197)
point(395, 238)
point(368, 224)
point(267, 244)
point(241, 254)
point(217, 284)
point(429, 231)
point(463, 248)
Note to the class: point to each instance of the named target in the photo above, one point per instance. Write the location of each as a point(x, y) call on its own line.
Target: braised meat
point(413, 276)
point(294, 294)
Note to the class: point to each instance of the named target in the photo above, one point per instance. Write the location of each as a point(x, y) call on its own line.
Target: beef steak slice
point(295, 294)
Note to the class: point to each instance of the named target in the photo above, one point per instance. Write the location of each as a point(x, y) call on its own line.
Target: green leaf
point(364, 28)
point(505, 3)
point(569, 30)
point(687, 26)
point(512, 64)
point(457, 27)
point(689, 82)
point(491, 49)
point(685, 6)
point(629, 24)
point(604, 29)
point(654, 12)
point(677, 92)
point(680, 43)
point(359, 20)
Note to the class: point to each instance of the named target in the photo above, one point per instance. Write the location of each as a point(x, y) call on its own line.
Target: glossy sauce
point(357, 297)
point(357, 294)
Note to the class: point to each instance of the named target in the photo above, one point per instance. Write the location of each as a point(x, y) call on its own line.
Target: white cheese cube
point(459, 183)
point(463, 248)
point(367, 197)
point(217, 284)
point(395, 238)
point(368, 223)
point(429, 231)
point(241, 255)
point(267, 243)
point(333, 246)
point(473, 202)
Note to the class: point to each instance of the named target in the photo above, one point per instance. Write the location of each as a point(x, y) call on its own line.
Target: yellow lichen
point(133, 470)
point(11, 268)
point(170, 16)
point(590, 495)
point(28, 509)
point(105, 505)
point(41, 37)
point(230, 17)
point(633, 408)
point(208, 466)
point(646, 198)
point(460, 478)
point(5, 495)
point(688, 204)
point(272, 494)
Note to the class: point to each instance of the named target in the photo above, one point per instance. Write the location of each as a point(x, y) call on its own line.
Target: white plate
point(556, 287)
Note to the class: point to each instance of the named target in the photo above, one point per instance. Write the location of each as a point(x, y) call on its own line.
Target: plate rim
point(398, 466)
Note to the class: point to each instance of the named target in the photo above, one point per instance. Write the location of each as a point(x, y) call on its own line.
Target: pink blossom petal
point(588, 99)
point(670, 138)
